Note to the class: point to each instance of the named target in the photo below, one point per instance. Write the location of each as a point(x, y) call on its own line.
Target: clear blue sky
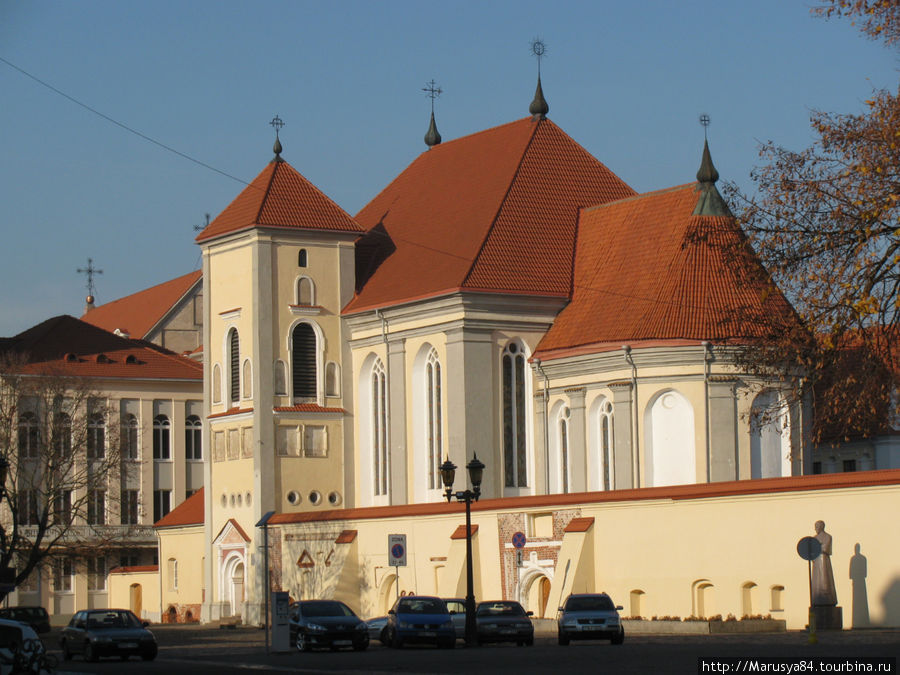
point(627, 80)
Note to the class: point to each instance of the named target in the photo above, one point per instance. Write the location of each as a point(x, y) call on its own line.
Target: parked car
point(21, 650)
point(36, 617)
point(420, 619)
point(107, 632)
point(590, 616)
point(457, 609)
point(326, 623)
point(378, 628)
point(504, 621)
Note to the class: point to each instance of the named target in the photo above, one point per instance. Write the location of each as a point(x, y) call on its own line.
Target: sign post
point(397, 555)
point(810, 548)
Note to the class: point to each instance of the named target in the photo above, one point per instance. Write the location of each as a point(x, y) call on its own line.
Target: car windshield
point(421, 606)
point(589, 603)
point(112, 619)
point(322, 608)
point(501, 609)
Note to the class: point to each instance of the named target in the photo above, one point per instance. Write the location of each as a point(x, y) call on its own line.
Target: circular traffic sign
point(518, 540)
point(809, 548)
point(397, 550)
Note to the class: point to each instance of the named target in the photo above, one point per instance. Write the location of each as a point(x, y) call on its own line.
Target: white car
point(21, 650)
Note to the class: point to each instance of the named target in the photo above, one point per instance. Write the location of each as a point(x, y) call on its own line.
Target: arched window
point(514, 444)
point(246, 375)
point(96, 436)
point(434, 433)
point(217, 384)
point(776, 598)
point(332, 379)
point(606, 445)
point(747, 599)
point(129, 437)
point(29, 435)
point(161, 428)
point(303, 356)
point(636, 605)
point(62, 434)
point(563, 430)
point(770, 441)
point(669, 438)
point(301, 258)
point(306, 291)
point(234, 357)
point(378, 426)
point(193, 438)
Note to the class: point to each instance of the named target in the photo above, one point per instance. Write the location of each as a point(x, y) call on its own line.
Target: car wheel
point(90, 653)
point(619, 639)
point(385, 637)
point(563, 639)
point(360, 646)
point(302, 643)
point(65, 650)
point(396, 640)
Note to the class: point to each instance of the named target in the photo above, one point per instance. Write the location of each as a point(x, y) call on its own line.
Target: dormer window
point(301, 258)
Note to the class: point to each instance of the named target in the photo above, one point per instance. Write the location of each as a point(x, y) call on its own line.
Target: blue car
point(417, 619)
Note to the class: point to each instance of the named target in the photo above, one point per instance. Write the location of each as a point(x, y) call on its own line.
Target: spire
point(539, 107)
point(432, 137)
point(276, 124)
point(710, 202)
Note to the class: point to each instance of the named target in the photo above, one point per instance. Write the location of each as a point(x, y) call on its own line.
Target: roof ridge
point(640, 195)
point(266, 193)
point(509, 188)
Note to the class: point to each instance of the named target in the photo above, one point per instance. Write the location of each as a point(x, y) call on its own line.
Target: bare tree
point(61, 445)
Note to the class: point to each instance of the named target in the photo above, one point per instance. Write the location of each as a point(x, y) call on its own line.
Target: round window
point(248, 499)
point(334, 498)
point(294, 497)
point(315, 497)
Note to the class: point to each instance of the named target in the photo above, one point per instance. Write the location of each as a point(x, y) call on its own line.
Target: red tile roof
point(580, 524)
point(308, 407)
point(188, 512)
point(494, 211)
point(280, 197)
point(65, 346)
point(134, 568)
point(646, 268)
point(138, 313)
point(460, 532)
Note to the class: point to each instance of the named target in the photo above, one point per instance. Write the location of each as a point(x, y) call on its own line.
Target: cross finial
point(89, 271)
point(704, 122)
point(432, 92)
point(276, 124)
point(538, 48)
point(200, 228)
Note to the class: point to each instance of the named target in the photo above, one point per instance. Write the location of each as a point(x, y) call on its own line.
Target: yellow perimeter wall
point(721, 548)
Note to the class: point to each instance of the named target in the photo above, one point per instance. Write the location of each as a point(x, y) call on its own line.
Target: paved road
point(202, 651)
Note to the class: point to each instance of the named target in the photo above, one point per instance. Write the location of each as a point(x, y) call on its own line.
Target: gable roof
point(188, 512)
point(493, 211)
point(138, 313)
point(66, 346)
point(282, 198)
point(647, 268)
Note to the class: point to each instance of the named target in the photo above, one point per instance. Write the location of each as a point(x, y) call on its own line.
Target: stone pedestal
point(829, 618)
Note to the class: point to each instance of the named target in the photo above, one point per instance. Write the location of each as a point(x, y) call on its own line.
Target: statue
point(823, 593)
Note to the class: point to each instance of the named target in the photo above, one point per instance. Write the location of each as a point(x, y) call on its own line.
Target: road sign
point(518, 540)
point(809, 548)
point(397, 550)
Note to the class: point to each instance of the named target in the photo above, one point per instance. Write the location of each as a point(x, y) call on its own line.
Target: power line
point(120, 124)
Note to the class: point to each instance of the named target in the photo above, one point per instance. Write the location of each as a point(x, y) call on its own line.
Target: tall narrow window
point(63, 571)
point(301, 258)
point(379, 428)
point(129, 507)
point(28, 507)
point(332, 379)
point(234, 359)
point(29, 435)
point(193, 438)
point(515, 460)
point(96, 508)
point(62, 508)
point(96, 437)
point(161, 429)
point(564, 448)
point(161, 503)
point(607, 445)
point(62, 435)
point(173, 574)
point(305, 291)
point(130, 437)
point(434, 436)
point(96, 567)
point(303, 355)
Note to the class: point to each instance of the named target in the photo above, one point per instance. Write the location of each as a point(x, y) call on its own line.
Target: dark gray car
point(590, 616)
point(504, 621)
point(326, 623)
point(107, 632)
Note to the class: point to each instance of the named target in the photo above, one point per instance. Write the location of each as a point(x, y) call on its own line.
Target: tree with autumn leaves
point(825, 222)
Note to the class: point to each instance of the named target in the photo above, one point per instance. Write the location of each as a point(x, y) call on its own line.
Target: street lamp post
point(448, 473)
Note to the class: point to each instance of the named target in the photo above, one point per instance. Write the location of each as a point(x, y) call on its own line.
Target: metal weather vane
point(277, 123)
point(539, 49)
point(432, 92)
point(704, 122)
